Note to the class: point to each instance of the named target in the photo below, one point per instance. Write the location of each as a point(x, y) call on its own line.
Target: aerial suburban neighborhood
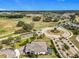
point(39, 34)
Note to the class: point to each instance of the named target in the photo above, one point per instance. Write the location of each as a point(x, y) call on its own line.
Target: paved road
point(56, 38)
point(66, 33)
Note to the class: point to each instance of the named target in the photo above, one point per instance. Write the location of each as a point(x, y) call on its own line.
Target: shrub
point(24, 42)
point(19, 31)
point(27, 27)
point(47, 19)
point(20, 24)
point(37, 18)
point(1, 46)
point(66, 46)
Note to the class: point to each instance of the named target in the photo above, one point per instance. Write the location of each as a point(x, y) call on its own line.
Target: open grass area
point(26, 19)
point(74, 41)
point(41, 24)
point(38, 24)
point(7, 25)
point(9, 35)
point(2, 30)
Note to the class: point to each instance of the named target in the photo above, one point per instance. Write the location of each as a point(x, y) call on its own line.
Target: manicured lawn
point(23, 42)
point(54, 54)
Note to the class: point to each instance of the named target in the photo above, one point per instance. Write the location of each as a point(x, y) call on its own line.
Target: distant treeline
point(12, 16)
point(42, 11)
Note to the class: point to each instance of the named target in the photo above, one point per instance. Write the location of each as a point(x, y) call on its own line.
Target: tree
point(66, 46)
point(20, 24)
point(27, 27)
point(35, 35)
point(19, 31)
point(32, 55)
point(8, 42)
point(76, 56)
point(1, 46)
point(10, 38)
point(37, 18)
point(18, 39)
point(72, 18)
point(41, 36)
point(15, 16)
point(24, 42)
point(55, 29)
point(48, 19)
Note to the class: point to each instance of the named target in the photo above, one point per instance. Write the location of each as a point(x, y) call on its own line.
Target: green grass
point(7, 35)
point(54, 54)
point(2, 30)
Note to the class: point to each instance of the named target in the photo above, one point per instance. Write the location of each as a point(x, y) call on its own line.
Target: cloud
point(2, 9)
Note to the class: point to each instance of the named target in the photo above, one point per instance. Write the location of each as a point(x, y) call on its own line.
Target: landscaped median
point(61, 42)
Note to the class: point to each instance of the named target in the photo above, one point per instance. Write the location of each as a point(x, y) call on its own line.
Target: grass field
point(7, 25)
point(74, 41)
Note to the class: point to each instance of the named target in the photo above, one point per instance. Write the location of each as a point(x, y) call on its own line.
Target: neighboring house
point(67, 15)
point(36, 48)
point(9, 52)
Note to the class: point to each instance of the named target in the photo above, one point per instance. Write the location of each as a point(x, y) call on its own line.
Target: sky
point(39, 4)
